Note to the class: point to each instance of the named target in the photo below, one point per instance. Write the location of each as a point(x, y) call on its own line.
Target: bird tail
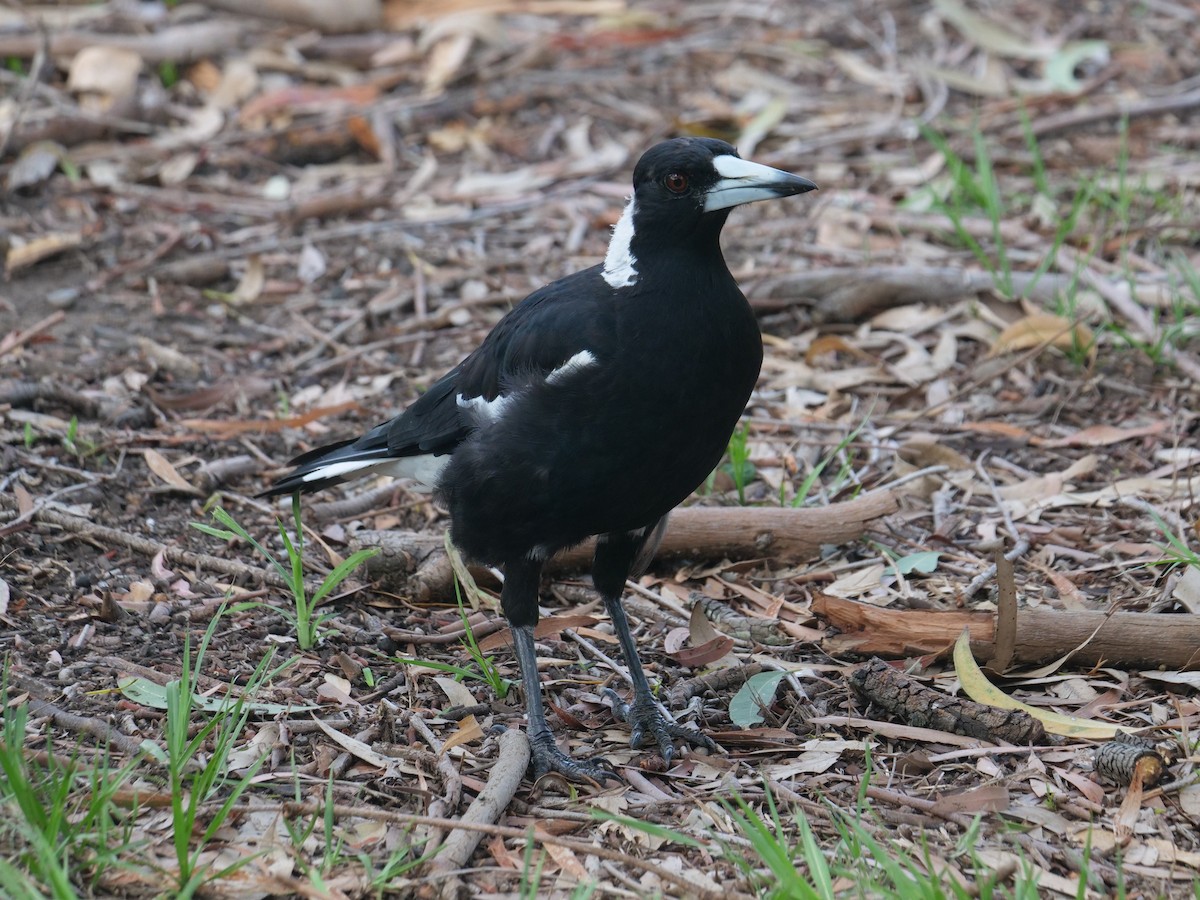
point(346, 460)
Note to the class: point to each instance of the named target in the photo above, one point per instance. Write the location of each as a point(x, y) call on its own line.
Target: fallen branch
point(97, 728)
point(911, 702)
point(180, 44)
point(1119, 639)
point(696, 532)
point(327, 16)
point(854, 294)
point(511, 762)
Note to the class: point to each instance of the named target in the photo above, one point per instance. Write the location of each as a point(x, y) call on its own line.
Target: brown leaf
point(567, 861)
point(551, 626)
point(1043, 328)
point(111, 72)
point(832, 343)
point(161, 466)
point(468, 730)
point(42, 247)
point(701, 655)
point(1102, 436)
point(254, 279)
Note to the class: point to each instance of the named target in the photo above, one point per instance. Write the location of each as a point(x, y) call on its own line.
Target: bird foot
point(645, 718)
point(547, 758)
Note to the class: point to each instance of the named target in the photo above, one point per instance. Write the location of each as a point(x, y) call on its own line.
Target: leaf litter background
point(228, 239)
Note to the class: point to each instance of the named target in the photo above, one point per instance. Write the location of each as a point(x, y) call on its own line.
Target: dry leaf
point(468, 730)
point(253, 280)
point(35, 165)
point(108, 73)
point(701, 655)
point(178, 168)
point(1043, 328)
point(24, 500)
point(161, 466)
point(139, 592)
point(920, 454)
point(456, 692)
point(1102, 436)
point(42, 247)
point(238, 82)
point(445, 60)
point(567, 861)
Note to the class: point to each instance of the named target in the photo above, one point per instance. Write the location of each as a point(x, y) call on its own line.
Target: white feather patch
point(620, 265)
point(485, 410)
point(576, 363)
point(424, 469)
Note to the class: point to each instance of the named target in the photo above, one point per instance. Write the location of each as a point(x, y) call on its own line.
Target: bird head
point(683, 190)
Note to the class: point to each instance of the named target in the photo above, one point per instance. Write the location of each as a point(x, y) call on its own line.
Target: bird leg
point(644, 715)
point(546, 756)
point(519, 600)
point(618, 555)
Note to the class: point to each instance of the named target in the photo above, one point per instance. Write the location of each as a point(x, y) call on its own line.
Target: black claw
point(646, 718)
point(546, 758)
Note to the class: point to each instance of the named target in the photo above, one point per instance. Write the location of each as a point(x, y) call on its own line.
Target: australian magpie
point(594, 407)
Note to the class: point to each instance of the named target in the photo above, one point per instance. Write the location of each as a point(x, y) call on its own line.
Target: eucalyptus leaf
point(147, 693)
point(924, 562)
point(745, 709)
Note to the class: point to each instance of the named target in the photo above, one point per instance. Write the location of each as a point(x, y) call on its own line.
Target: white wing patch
point(576, 363)
point(620, 265)
point(485, 410)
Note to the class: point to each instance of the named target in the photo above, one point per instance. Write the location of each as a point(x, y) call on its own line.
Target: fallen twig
point(1114, 639)
point(697, 532)
point(503, 781)
point(445, 806)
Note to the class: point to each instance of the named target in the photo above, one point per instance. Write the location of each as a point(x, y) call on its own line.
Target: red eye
point(676, 183)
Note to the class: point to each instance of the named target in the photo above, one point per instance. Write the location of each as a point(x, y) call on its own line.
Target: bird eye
point(676, 183)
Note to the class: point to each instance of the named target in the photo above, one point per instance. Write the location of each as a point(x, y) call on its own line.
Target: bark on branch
point(697, 532)
point(1121, 639)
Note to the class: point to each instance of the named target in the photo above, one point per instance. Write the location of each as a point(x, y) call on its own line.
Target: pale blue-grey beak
point(743, 181)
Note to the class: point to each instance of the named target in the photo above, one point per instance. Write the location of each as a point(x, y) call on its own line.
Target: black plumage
point(594, 407)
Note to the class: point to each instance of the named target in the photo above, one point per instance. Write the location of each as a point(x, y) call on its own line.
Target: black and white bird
point(594, 407)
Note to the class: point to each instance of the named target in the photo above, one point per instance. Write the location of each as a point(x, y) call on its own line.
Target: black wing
point(541, 333)
point(545, 330)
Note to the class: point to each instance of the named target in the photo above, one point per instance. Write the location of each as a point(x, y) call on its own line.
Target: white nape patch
point(485, 410)
point(576, 363)
point(620, 265)
point(424, 469)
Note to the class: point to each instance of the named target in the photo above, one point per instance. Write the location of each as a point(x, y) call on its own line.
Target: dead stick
point(446, 805)
point(698, 532)
point(178, 43)
point(1075, 118)
point(98, 729)
point(503, 781)
point(1138, 639)
point(926, 806)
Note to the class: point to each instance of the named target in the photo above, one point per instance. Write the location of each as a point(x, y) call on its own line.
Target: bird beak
point(743, 181)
